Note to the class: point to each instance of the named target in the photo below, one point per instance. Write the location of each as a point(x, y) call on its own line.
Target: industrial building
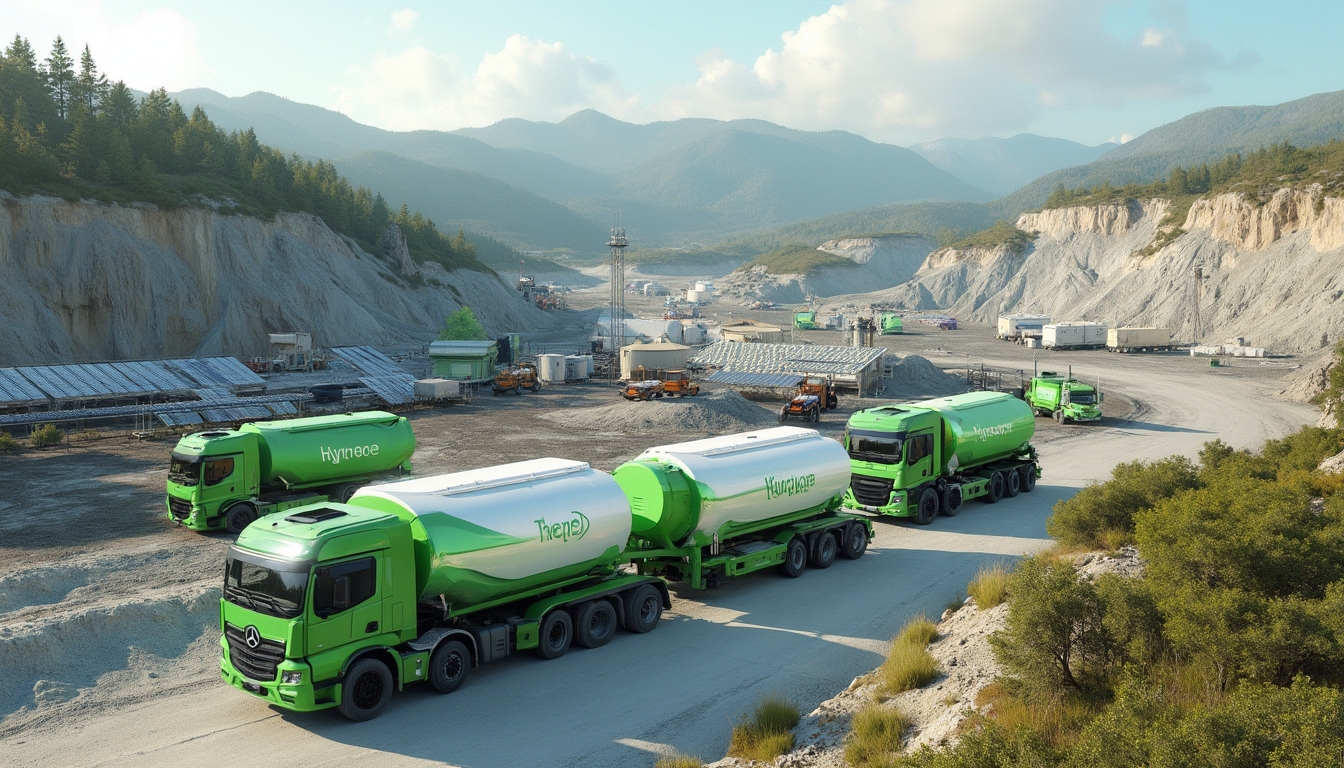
point(853, 368)
point(464, 360)
point(653, 356)
point(750, 330)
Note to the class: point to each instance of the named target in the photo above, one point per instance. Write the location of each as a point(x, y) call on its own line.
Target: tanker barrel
point(692, 491)
point(311, 451)
point(981, 427)
point(490, 533)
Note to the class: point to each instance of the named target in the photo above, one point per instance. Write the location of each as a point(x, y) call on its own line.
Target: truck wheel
point(595, 624)
point(1012, 483)
point(557, 632)
point(816, 415)
point(823, 554)
point(783, 415)
point(448, 667)
point(928, 507)
point(856, 541)
point(343, 493)
point(238, 516)
point(952, 500)
point(1059, 416)
point(366, 690)
point(518, 390)
point(994, 491)
point(795, 558)
point(643, 609)
point(1028, 472)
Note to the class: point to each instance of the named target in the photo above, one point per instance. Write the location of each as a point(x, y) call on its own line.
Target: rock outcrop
point(880, 261)
point(87, 281)
point(1253, 226)
point(1109, 219)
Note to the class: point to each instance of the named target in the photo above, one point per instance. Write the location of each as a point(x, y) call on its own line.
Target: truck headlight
point(293, 677)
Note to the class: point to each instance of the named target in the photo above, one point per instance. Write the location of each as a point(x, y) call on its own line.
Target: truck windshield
point(881, 447)
point(273, 587)
point(184, 470)
point(1082, 398)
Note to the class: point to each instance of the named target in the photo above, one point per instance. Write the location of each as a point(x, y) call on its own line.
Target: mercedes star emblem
point(252, 637)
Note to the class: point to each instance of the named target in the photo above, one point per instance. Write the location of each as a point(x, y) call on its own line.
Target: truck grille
point(181, 508)
point(257, 663)
point(871, 491)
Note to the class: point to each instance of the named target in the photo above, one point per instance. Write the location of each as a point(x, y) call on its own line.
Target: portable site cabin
point(750, 330)
point(464, 360)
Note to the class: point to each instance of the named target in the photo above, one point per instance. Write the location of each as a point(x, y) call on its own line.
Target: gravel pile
point(915, 376)
point(724, 411)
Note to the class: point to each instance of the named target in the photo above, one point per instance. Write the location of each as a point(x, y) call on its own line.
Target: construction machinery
point(803, 407)
point(678, 383)
point(823, 388)
point(516, 379)
point(643, 390)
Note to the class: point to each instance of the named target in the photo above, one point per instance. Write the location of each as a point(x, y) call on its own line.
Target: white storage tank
point(576, 368)
point(551, 368)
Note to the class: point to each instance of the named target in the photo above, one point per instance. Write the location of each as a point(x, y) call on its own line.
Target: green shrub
point(768, 733)
point(875, 739)
point(8, 443)
point(908, 666)
point(679, 761)
point(919, 630)
point(45, 435)
point(1093, 516)
point(989, 587)
point(462, 325)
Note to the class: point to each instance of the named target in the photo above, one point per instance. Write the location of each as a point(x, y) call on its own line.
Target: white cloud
point(527, 78)
point(155, 48)
point(404, 19)
point(905, 69)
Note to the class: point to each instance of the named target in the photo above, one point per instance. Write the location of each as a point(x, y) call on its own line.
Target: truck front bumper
point(897, 505)
point(300, 697)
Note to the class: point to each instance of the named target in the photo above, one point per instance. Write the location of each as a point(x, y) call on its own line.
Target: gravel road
point(118, 623)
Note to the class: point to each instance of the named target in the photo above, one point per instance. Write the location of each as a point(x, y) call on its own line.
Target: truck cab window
point(184, 471)
point(343, 586)
point(217, 470)
point(918, 447)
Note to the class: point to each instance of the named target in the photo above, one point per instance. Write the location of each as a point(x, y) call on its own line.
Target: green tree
point(119, 107)
point(462, 325)
point(90, 86)
point(60, 74)
point(1103, 509)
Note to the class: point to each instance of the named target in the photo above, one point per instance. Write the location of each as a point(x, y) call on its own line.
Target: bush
point(8, 443)
point(768, 733)
point(989, 587)
point(875, 740)
point(45, 435)
point(989, 745)
point(462, 325)
point(907, 667)
point(1094, 515)
point(919, 630)
point(679, 761)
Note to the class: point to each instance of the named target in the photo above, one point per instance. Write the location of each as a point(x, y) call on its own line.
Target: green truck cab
point(922, 459)
point(227, 478)
point(805, 320)
point(1063, 397)
point(892, 324)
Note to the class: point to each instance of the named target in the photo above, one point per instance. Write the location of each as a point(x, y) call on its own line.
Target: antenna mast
point(617, 244)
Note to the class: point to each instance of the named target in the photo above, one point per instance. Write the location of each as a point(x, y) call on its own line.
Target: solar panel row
point(370, 361)
point(21, 386)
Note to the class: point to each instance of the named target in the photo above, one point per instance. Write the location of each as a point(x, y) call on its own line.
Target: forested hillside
point(66, 130)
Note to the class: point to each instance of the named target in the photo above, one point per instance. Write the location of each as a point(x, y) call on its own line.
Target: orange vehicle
point(643, 390)
point(824, 390)
point(678, 383)
point(804, 407)
point(515, 380)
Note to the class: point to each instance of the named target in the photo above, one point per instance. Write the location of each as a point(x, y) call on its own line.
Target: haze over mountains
point(554, 186)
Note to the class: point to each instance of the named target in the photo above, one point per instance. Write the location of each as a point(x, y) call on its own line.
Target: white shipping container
point(1126, 338)
point(1073, 335)
point(433, 389)
point(1013, 326)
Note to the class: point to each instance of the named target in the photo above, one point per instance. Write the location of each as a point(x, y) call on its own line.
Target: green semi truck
point(927, 458)
point(805, 320)
point(338, 605)
point(228, 478)
point(1063, 398)
point(892, 324)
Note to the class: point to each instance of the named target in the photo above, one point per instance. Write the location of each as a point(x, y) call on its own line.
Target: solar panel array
point(787, 358)
point(394, 390)
point(14, 388)
point(745, 379)
point(370, 361)
point(88, 381)
point(217, 372)
point(278, 404)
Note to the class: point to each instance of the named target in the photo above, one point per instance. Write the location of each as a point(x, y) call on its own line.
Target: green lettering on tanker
point(789, 486)
point(984, 433)
point(566, 530)
point(334, 455)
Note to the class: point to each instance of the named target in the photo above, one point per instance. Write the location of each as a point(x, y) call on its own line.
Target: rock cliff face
point(881, 261)
point(1274, 273)
point(86, 281)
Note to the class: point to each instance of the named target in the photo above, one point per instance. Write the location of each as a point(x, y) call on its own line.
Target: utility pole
point(617, 244)
point(1199, 288)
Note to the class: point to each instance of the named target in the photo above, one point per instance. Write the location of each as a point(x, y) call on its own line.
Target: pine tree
point(119, 106)
point(60, 73)
point(90, 86)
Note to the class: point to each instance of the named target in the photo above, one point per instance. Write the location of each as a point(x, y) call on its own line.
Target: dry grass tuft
point(768, 733)
point(875, 741)
point(679, 761)
point(989, 587)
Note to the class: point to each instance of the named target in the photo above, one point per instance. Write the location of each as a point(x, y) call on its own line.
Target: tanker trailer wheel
point(448, 667)
point(816, 414)
point(595, 624)
point(238, 516)
point(1028, 477)
point(952, 500)
point(856, 541)
point(994, 491)
point(795, 558)
point(1012, 483)
point(643, 609)
point(1058, 416)
point(343, 493)
point(928, 507)
point(366, 691)
point(557, 632)
point(824, 552)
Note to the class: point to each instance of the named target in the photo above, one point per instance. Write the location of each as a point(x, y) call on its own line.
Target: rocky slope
point(1274, 270)
point(87, 281)
point(881, 261)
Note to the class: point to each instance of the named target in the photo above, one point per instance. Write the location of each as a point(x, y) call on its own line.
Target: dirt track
point(108, 612)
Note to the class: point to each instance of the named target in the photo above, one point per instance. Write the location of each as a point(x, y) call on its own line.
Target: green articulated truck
point(923, 459)
point(892, 324)
point(228, 478)
point(1063, 398)
point(338, 605)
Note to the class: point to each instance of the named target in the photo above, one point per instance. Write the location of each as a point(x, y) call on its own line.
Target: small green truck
point(892, 324)
point(226, 478)
point(923, 459)
point(805, 320)
point(1063, 398)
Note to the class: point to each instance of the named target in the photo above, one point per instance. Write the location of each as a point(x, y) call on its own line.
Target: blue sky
point(899, 71)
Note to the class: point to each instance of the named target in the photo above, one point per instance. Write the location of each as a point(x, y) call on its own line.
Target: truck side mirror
point(340, 594)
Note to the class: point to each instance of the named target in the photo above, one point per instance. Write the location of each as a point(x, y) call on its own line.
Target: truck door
point(346, 604)
point(918, 458)
point(221, 476)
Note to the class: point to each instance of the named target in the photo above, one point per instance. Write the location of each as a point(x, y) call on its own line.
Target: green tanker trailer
point(228, 478)
point(921, 459)
point(337, 605)
point(727, 506)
